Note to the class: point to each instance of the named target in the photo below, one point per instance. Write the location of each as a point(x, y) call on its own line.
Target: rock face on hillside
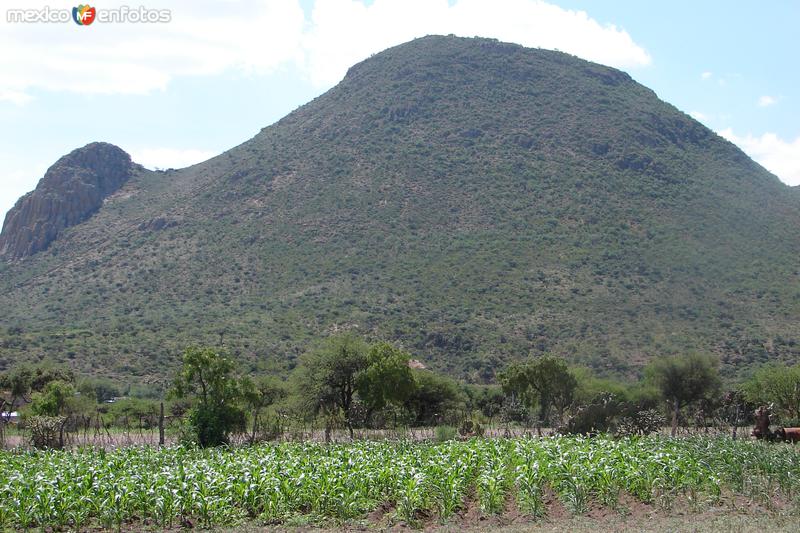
point(71, 191)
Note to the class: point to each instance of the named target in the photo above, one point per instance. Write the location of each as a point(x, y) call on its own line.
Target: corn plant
point(273, 483)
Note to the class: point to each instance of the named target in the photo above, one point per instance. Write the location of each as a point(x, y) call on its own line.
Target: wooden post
point(61, 434)
point(161, 426)
point(675, 409)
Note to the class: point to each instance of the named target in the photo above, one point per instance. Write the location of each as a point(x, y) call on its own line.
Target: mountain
point(475, 201)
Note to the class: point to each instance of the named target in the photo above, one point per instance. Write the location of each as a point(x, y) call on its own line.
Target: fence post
point(161, 426)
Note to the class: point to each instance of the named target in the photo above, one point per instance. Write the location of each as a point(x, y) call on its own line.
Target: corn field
point(273, 483)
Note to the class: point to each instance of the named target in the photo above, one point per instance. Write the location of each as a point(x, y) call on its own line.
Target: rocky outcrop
point(159, 223)
point(71, 191)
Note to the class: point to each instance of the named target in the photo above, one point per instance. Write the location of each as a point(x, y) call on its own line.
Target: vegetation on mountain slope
point(473, 200)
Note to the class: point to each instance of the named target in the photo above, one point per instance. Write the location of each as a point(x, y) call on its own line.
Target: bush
point(46, 432)
point(514, 410)
point(599, 416)
point(642, 423)
point(471, 427)
point(211, 427)
point(445, 433)
point(786, 422)
point(269, 431)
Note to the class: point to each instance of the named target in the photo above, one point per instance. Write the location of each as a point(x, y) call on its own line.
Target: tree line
point(346, 382)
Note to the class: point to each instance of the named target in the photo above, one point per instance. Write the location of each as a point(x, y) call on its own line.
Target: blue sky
point(176, 93)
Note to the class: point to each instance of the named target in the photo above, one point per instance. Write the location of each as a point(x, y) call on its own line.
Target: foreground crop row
point(275, 482)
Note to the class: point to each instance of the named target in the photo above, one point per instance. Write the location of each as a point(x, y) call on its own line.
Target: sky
point(208, 75)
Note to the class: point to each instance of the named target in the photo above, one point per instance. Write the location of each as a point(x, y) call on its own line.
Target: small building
point(115, 399)
point(10, 417)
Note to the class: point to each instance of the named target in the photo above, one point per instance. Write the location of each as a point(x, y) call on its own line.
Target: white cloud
point(766, 101)
point(208, 38)
point(170, 157)
point(706, 75)
point(201, 39)
point(697, 115)
point(779, 156)
point(343, 32)
point(15, 97)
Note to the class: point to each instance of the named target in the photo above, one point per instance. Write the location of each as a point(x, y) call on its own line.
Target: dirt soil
point(731, 513)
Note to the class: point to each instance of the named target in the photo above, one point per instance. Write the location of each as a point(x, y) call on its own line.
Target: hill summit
point(476, 201)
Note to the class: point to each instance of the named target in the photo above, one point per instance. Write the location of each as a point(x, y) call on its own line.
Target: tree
point(53, 400)
point(778, 385)
point(546, 382)
point(326, 379)
point(433, 397)
point(591, 387)
point(488, 399)
point(387, 378)
point(101, 389)
point(134, 412)
point(259, 394)
point(207, 377)
point(17, 385)
point(21, 381)
point(683, 380)
point(43, 374)
point(734, 409)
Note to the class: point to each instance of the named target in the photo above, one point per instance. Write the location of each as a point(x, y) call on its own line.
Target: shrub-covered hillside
point(474, 200)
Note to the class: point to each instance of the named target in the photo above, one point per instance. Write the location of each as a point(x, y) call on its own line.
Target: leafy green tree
point(207, 377)
point(17, 386)
point(53, 400)
point(259, 394)
point(683, 380)
point(387, 378)
point(44, 373)
point(434, 397)
point(604, 404)
point(326, 378)
point(488, 399)
point(101, 389)
point(23, 380)
point(134, 412)
point(776, 384)
point(590, 387)
point(545, 382)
